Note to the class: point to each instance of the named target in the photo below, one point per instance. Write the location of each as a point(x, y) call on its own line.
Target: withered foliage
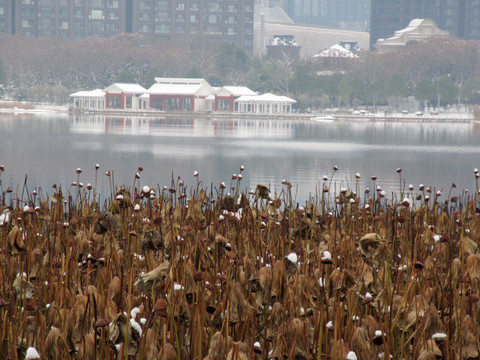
point(207, 276)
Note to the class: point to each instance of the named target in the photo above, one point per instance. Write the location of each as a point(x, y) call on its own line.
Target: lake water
point(49, 149)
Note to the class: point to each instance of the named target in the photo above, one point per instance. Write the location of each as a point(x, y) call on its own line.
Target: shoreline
point(65, 110)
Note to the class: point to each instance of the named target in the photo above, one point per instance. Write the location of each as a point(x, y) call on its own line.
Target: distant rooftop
point(335, 51)
point(417, 30)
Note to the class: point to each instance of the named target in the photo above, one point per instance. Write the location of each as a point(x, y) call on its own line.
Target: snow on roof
point(415, 23)
point(336, 51)
point(97, 93)
point(174, 89)
point(125, 88)
point(237, 90)
point(417, 30)
point(268, 97)
point(283, 40)
point(180, 81)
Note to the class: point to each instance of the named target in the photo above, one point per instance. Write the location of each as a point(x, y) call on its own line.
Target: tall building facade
point(68, 19)
point(339, 14)
point(459, 17)
point(5, 16)
point(224, 21)
point(219, 20)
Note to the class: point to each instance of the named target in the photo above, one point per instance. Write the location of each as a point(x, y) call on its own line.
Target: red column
point(122, 101)
point(179, 103)
point(106, 100)
point(215, 105)
point(231, 103)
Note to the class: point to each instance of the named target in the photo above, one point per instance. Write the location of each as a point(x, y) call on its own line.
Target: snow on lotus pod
point(5, 217)
point(352, 356)
point(292, 258)
point(32, 353)
point(327, 257)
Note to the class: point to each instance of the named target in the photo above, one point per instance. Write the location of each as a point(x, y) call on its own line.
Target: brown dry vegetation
point(208, 277)
point(15, 105)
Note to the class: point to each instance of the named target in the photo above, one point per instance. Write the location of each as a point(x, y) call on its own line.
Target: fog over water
point(50, 148)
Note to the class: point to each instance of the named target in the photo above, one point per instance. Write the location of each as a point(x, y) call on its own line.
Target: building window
point(212, 19)
point(144, 28)
point(180, 18)
point(162, 28)
point(223, 104)
point(96, 3)
point(193, 18)
point(162, 5)
point(180, 7)
point(231, 8)
point(212, 30)
point(231, 20)
point(112, 15)
point(78, 25)
point(26, 24)
point(79, 3)
point(213, 7)
point(112, 27)
point(96, 15)
point(95, 27)
point(179, 29)
point(144, 5)
point(231, 31)
point(27, 13)
point(156, 103)
point(162, 17)
point(64, 13)
point(144, 16)
point(78, 14)
point(27, 2)
point(186, 104)
point(194, 7)
point(193, 29)
point(112, 4)
point(64, 25)
point(114, 101)
point(46, 12)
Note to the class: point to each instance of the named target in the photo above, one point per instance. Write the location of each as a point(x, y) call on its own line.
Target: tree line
point(440, 72)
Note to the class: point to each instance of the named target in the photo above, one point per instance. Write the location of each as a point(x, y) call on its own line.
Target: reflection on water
point(240, 128)
point(50, 149)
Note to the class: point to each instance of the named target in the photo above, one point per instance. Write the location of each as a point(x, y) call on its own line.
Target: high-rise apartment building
point(459, 17)
point(5, 16)
point(339, 14)
point(68, 19)
point(218, 20)
point(223, 21)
